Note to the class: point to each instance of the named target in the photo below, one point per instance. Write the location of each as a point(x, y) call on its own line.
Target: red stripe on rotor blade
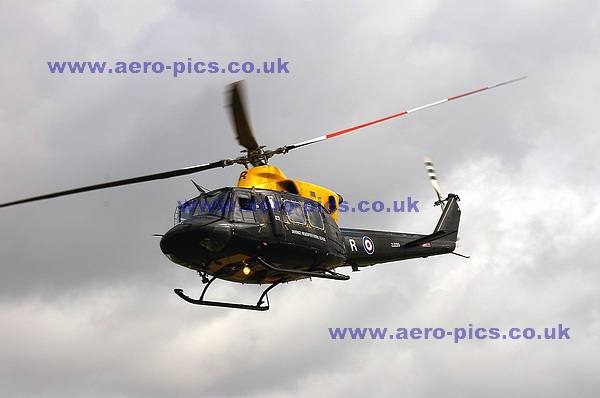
point(469, 93)
point(360, 126)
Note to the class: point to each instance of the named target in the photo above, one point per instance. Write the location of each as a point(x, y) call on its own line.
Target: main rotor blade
point(134, 180)
point(360, 126)
point(242, 126)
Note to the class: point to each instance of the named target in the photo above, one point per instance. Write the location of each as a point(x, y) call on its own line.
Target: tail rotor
point(434, 182)
point(436, 186)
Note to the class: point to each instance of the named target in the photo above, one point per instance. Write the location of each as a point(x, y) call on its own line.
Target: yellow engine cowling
point(270, 177)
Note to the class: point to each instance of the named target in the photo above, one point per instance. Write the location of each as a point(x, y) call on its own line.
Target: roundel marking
point(368, 245)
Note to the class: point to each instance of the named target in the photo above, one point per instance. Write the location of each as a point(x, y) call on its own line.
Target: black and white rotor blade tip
point(433, 179)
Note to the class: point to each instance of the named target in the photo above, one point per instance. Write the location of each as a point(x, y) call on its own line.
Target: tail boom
point(370, 247)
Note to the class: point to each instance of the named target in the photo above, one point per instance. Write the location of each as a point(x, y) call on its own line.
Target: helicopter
point(270, 230)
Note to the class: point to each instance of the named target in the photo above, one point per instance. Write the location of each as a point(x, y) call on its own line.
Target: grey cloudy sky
point(86, 300)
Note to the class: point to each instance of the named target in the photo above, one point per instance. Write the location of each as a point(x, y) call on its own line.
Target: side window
point(245, 208)
point(313, 213)
point(294, 211)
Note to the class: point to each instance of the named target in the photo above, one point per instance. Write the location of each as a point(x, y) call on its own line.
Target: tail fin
point(447, 226)
point(450, 219)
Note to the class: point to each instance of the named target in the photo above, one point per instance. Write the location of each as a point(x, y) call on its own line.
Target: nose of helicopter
point(192, 241)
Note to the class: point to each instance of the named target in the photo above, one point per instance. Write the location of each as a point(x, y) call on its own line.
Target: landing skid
point(260, 304)
point(256, 307)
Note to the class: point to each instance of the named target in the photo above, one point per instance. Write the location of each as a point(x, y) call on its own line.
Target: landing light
point(246, 270)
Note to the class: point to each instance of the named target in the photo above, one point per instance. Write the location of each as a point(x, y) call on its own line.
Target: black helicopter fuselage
point(263, 236)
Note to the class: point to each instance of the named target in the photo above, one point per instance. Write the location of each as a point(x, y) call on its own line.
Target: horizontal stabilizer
point(429, 238)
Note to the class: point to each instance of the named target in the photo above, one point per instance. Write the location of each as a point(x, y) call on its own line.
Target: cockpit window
point(244, 208)
point(185, 211)
point(212, 203)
